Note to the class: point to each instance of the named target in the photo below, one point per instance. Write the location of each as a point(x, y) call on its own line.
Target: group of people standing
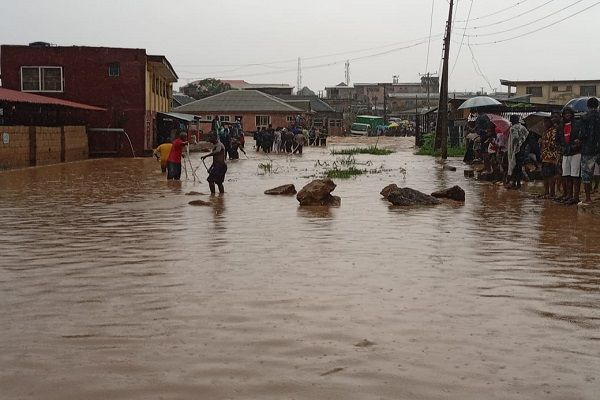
point(567, 152)
point(280, 140)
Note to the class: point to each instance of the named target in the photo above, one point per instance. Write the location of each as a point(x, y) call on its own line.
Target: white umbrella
point(479, 101)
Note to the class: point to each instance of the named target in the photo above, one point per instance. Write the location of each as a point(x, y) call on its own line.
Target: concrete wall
point(556, 92)
point(42, 145)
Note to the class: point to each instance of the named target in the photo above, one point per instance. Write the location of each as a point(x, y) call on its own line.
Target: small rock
point(449, 168)
point(282, 190)
point(453, 193)
point(332, 371)
point(410, 197)
point(199, 203)
point(365, 343)
point(193, 193)
point(388, 189)
point(318, 193)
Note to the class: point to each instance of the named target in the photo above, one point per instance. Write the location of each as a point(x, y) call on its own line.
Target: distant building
point(256, 109)
point(268, 88)
point(131, 85)
point(323, 116)
point(180, 99)
point(553, 92)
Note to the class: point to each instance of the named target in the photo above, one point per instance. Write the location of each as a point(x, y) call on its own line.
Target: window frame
point(111, 73)
point(40, 79)
point(532, 90)
point(222, 118)
point(587, 93)
point(258, 124)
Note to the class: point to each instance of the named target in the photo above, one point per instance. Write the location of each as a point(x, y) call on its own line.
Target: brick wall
point(42, 145)
point(15, 154)
point(76, 143)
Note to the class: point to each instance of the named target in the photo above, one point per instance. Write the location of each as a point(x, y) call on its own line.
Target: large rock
point(283, 190)
point(453, 193)
point(409, 197)
point(389, 189)
point(318, 193)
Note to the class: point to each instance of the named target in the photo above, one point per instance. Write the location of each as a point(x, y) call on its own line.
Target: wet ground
point(113, 287)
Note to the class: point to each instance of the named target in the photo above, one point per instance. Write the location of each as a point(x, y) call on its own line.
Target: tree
point(205, 88)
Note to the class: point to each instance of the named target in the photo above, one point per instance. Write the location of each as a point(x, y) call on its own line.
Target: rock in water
point(453, 193)
point(199, 203)
point(192, 193)
point(283, 189)
point(449, 168)
point(389, 189)
point(410, 197)
point(318, 193)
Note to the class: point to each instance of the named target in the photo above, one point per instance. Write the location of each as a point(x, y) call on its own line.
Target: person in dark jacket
point(570, 145)
point(589, 135)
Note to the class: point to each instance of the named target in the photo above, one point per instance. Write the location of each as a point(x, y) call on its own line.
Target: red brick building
point(131, 85)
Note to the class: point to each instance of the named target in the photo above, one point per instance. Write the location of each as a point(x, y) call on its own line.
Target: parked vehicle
point(361, 129)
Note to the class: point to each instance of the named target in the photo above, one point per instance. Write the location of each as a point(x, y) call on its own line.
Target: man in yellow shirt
point(162, 154)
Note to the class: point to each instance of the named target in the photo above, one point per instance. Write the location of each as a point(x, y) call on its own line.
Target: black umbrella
point(579, 105)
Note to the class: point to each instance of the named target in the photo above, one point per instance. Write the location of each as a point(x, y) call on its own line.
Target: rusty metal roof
point(14, 96)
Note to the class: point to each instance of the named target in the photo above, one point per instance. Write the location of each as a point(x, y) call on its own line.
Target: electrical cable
point(463, 38)
point(430, 29)
point(527, 24)
point(538, 29)
point(511, 18)
point(497, 12)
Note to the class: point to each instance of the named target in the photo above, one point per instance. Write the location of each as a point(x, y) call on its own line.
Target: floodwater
point(113, 287)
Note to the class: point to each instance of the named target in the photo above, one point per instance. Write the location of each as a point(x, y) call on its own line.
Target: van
point(360, 129)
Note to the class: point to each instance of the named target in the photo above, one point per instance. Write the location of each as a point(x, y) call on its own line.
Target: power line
point(538, 29)
point(430, 29)
point(477, 67)
point(512, 18)
point(527, 24)
point(462, 41)
point(497, 12)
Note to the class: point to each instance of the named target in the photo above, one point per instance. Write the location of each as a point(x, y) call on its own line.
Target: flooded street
point(113, 287)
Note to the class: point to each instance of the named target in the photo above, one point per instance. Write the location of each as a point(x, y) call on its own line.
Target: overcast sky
point(220, 38)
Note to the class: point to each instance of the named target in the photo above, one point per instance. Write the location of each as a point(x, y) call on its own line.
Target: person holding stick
point(218, 169)
point(174, 160)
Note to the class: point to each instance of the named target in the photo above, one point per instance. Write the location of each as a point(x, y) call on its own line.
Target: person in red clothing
point(174, 160)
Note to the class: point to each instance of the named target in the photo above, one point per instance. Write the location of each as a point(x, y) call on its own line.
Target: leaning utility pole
point(299, 79)
point(428, 77)
point(441, 129)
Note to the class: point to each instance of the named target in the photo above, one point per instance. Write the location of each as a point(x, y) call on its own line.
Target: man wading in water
point(216, 172)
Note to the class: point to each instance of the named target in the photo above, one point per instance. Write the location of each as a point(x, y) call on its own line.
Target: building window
point(208, 118)
point(114, 69)
point(555, 88)
point(290, 118)
point(335, 123)
point(263, 121)
point(587, 91)
point(41, 79)
point(224, 118)
point(318, 123)
point(534, 91)
point(569, 89)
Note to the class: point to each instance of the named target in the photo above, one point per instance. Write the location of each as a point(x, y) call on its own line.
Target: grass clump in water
point(266, 167)
point(345, 173)
point(427, 148)
point(373, 150)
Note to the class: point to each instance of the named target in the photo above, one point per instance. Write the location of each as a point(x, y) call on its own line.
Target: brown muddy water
point(112, 287)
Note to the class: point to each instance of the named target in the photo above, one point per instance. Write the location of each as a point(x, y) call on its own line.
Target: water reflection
point(113, 286)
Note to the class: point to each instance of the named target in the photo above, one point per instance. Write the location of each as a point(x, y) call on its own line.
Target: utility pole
point(441, 130)
point(347, 73)
point(428, 77)
point(299, 81)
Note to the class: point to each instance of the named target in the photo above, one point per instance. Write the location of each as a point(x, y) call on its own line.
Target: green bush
point(373, 150)
point(427, 148)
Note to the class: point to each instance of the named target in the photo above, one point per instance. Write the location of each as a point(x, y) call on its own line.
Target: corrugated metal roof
point(238, 101)
point(184, 117)
point(14, 96)
point(316, 104)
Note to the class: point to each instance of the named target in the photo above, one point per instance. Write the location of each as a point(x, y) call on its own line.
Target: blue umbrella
point(579, 105)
